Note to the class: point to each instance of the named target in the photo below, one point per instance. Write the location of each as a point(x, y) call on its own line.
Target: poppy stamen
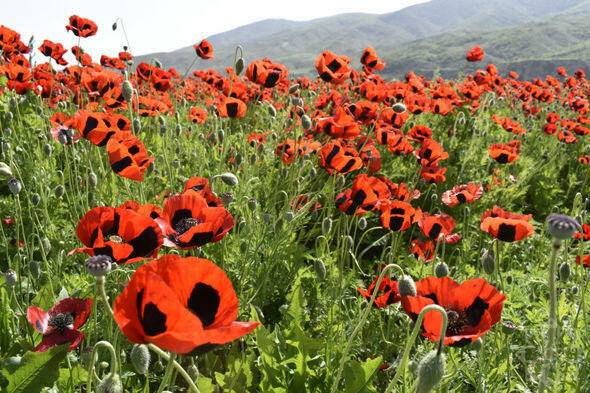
point(61, 322)
point(185, 224)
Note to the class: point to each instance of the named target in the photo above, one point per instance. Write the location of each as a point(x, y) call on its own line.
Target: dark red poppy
point(386, 295)
point(124, 235)
point(189, 222)
point(431, 153)
point(472, 307)
point(433, 174)
point(266, 73)
point(464, 193)
point(397, 215)
point(180, 304)
point(204, 50)
point(128, 156)
point(475, 54)
point(200, 186)
point(337, 157)
point(423, 250)
point(81, 27)
point(333, 68)
point(61, 323)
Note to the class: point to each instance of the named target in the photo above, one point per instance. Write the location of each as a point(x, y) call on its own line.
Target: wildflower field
point(251, 231)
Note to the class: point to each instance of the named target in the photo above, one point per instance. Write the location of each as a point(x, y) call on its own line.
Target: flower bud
point(272, 110)
point(441, 269)
point(431, 370)
point(157, 63)
point(406, 286)
point(229, 178)
point(564, 272)
point(46, 244)
point(35, 269)
point(5, 170)
point(243, 247)
point(252, 204)
point(320, 269)
point(35, 199)
point(227, 198)
point(294, 88)
point(140, 358)
point(98, 265)
point(114, 27)
point(362, 224)
point(562, 227)
point(127, 91)
point(10, 278)
point(508, 327)
point(58, 191)
point(306, 122)
point(136, 125)
point(47, 149)
point(13, 361)
point(110, 384)
point(239, 66)
point(92, 180)
point(326, 226)
point(14, 186)
point(488, 262)
point(398, 107)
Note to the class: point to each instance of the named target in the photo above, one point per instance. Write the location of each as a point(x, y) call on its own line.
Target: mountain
point(531, 36)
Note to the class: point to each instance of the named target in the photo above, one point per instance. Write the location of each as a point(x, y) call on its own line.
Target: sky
point(165, 25)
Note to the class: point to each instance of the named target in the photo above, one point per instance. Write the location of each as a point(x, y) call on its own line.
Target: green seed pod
point(140, 358)
point(239, 66)
point(362, 224)
point(488, 261)
point(243, 247)
point(326, 226)
point(227, 198)
point(10, 278)
point(294, 88)
point(47, 149)
point(252, 204)
point(136, 125)
point(441, 269)
point(320, 269)
point(229, 178)
point(5, 170)
point(9, 117)
point(289, 216)
point(266, 218)
point(406, 286)
point(35, 269)
point(312, 173)
point(58, 191)
point(35, 199)
point(46, 245)
point(14, 186)
point(305, 122)
point(564, 272)
point(431, 370)
point(127, 91)
point(92, 180)
point(398, 107)
point(272, 111)
point(110, 384)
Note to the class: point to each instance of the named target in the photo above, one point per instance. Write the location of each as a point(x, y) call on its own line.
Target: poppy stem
point(360, 324)
point(114, 364)
point(167, 373)
point(103, 294)
point(177, 366)
point(549, 354)
point(406, 354)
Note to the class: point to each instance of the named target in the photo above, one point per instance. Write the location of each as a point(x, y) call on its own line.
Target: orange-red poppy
point(464, 193)
point(204, 50)
point(128, 156)
point(333, 68)
point(81, 27)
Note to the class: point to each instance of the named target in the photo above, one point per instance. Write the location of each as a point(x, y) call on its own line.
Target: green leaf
point(69, 379)
point(205, 384)
point(3, 81)
point(37, 370)
point(44, 298)
point(357, 375)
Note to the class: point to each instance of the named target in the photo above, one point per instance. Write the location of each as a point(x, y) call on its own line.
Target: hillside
point(424, 37)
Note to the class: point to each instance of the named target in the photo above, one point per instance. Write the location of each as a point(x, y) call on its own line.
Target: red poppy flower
point(363, 196)
point(197, 115)
point(333, 68)
point(507, 229)
point(188, 222)
point(371, 61)
point(231, 107)
point(54, 51)
point(505, 153)
point(61, 323)
point(180, 304)
point(475, 54)
point(583, 260)
point(81, 27)
point(397, 215)
point(290, 149)
point(126, 236)
point(200, 186)
point(436, 225)
point(337, 157)
point(423, 250)
point(497, 211)
point(433, 174)
point(204, 50)
point(584, 235)
point(419, 133)
point(431, 153)
point(472, 307)
point(96, 127)
point(341, 125)
point(266, 73)
point(147, 209)
point(387, 294)
point(128, 156)
point(465, 193)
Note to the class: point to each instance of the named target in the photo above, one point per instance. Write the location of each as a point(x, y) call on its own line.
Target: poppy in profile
point(505, 153)
point(387, 294)
point(231, 107)
point(473, 308)
point(419, 133)
point(464, 193)
point(200, 186)
point(584, 235)
point(81, 27)
point(180, 304)
point(291, 149)
point(333, 68)
point(337, 157)
point(204, 50)
point(475, 54)
point(371, 61)
point(497, 211)
point(197, 115)
point(436, 225)
point(95, 127)
point(397, 215)
point(124, 235)
point(266, 73)
point(189, 222)
point(431, 153)
point(61, 323)
point(433, 173)
point(128, 156)
point(362, 197)
point(341, 125)
point(423, 250)
point(507, 229)
point(583, 260)
point(146, 209)
point(54, 51)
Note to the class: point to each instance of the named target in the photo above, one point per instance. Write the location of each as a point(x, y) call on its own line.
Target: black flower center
point(185, 224)
point(457, 322)
point(61, 321)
